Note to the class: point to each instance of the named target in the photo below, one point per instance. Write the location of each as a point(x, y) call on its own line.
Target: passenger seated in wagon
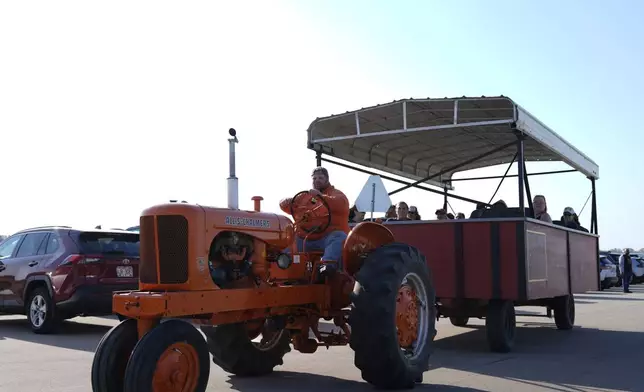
point(541, 209)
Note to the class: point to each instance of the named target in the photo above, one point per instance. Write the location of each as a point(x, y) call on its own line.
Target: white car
point(607, 273)
point(638, 267)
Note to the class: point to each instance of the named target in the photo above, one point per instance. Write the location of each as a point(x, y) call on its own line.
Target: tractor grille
point(148, 261)
point(172, 236)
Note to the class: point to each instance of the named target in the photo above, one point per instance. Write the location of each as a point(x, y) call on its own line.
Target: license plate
point(125, 272)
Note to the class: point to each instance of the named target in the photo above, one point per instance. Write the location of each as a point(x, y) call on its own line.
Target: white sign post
point(373, 197)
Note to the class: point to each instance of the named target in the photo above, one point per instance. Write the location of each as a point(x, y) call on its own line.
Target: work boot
point(326, 269)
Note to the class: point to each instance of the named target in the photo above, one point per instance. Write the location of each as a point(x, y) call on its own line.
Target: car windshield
point(126, 244)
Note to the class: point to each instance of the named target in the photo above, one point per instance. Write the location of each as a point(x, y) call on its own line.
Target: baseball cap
point(569, 210)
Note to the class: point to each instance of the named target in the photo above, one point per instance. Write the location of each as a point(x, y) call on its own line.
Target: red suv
point(55, 273)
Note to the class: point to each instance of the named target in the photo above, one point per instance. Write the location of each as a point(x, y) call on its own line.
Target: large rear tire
point(393, 306)
point(233, 350)
point(564, 309)
point(112, 355)
point(500, 325)
point(171, 356)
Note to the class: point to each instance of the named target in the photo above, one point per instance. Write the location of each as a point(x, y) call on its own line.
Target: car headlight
point(284, 261)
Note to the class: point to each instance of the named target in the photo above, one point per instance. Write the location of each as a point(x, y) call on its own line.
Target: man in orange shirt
point(332, 238)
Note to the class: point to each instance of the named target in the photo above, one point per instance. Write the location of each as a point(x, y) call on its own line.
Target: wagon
point(482, 267)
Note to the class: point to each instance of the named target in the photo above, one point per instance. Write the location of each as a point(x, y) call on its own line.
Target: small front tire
point(112, 355)
point(171, 356)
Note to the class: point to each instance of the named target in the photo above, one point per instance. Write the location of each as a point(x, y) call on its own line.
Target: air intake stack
point(233, 196)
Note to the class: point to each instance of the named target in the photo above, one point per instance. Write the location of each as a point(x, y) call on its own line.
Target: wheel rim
point(38, 311)
point(177, 369)
point(266, 339)
point(412, 315)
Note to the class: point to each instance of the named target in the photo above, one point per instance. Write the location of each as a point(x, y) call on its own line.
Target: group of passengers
point(569, 219)
point(403, 212)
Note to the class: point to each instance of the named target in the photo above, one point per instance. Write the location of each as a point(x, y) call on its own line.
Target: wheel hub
point(38, 310)
point(407, 316)
point(177, 369)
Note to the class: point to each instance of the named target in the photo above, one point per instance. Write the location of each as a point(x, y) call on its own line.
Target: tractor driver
point(332, 238)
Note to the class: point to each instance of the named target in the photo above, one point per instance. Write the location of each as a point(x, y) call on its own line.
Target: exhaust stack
point(233, 196)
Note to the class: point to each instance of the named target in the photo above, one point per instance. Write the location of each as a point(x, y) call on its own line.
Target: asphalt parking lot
point(602, 353)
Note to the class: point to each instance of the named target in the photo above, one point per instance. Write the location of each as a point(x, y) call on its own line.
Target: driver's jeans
point(331, 244)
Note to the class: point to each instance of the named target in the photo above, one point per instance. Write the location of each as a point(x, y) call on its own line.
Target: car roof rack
point(46, 227)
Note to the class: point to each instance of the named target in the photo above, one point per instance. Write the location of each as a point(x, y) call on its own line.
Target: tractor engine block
point(229, 258)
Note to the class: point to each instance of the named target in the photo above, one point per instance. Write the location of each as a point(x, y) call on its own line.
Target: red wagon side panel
point(583, 262)
point(477, 259)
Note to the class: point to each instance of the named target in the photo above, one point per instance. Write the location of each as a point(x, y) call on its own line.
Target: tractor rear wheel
point(233, 349)
point(112, 354)
point(172, 356)
point(393, 304)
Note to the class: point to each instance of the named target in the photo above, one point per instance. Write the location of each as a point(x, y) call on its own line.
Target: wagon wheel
point(172, 357)
point(396, 290)
point(500, 325)
point(564, 309)
point(112, 355)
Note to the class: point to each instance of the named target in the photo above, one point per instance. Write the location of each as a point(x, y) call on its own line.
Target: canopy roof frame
point(414, 138)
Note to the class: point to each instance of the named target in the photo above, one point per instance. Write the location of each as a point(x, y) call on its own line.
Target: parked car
point(614, 258)
point(55, 273)
point(638, 268)
point(607, 273)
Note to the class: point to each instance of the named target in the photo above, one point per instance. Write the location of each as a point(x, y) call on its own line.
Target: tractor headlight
point(284, 261)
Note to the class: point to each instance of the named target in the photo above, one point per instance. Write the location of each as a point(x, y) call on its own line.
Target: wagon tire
point(564, 309)
point(112, 354)
point(500, 325)
point(390, 274)
point(459, 321)
point(234, 351)
point(172, 353)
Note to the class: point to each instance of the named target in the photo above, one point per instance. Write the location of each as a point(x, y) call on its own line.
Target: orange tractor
point(239, 276)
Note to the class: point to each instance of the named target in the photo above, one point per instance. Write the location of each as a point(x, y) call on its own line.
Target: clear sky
point(107, 108)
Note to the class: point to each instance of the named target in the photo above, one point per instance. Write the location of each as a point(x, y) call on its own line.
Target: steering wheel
point(315, 209)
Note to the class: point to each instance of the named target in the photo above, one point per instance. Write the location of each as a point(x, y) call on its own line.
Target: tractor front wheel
point(112, 354)
point(172, 356)
point(393, 317)
point(233, 349)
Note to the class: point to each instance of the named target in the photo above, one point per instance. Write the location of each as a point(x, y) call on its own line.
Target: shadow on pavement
point(295, 381)
point(543, 354)
point(70, 335)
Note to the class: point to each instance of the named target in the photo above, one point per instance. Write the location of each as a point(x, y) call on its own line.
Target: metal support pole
point(318, 159)
point(521, 161)
point(594, 207)
point(527, 190)
point(445, 198)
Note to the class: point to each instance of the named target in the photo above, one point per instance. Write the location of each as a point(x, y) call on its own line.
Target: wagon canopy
point(418, 138)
